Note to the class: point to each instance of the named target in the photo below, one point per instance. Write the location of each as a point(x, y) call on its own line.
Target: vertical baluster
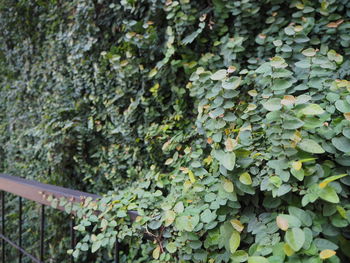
point(20, 229)
point(42, 232)
point(116, 251)
point(3, 225)
point(72, 236)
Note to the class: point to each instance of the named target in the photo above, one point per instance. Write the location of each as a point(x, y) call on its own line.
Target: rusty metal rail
point(35, 191)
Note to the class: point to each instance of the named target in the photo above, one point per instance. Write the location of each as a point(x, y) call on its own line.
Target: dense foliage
point(224, 124)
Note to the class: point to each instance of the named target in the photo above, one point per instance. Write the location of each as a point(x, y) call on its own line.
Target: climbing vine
point(225, 125)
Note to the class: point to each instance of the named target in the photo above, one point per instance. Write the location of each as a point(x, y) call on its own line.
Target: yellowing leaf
point(288, 100)
point(245, 178)
point(169, 217)
point(342, 212)
point(228, 186)
point(230, 144)
point(168, 161)
point(152, 73)
point(156, 252)
point(282, 223)
point(288, 250)
point(297, 165)
point(327, 253)
point(325, 182)
point(237, 225)
point(191, 176)
point(253, 93)
point(231, 69)
point(234, 241)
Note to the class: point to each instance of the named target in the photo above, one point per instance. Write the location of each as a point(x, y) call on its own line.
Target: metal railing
point(35, 191)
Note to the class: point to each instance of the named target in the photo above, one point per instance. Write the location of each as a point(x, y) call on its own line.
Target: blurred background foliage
point(223, 123)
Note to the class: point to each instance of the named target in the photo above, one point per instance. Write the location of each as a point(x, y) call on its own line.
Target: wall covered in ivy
point(224, 124)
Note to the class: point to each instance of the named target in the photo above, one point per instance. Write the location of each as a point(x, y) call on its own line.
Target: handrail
point(39, 193)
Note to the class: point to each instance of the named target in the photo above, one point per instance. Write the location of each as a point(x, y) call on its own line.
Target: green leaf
point(329, 194)
point(207, 216)
point(235, 240)
point(240, 256)
point(226, 159)
point(273, 104)
point(310, 146)
point(95, 246)
point(301, 215)
point(257, 259)
point(216, 113)
point(292, 220)
point(342, 144)
point(84, 247)
point(219, 75)
point(295, 238)
point(187, 222)
point(171, 247)
point(281, 84)
point(312, 109)
point(232, 83)
point(342, 106)
point(292, 124)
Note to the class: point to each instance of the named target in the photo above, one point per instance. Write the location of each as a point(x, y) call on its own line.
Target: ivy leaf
point(95, 246)
point(234, 242)
point(169, 217)
point(326, 181)
point(156, 252)
point(171, 247)
point(226, 159)
point(295, 238)
point(257, 259)
point(310, 146)
point(245, 178)
point(273, 104)
point(312, 109)
point(219, 75)
point(342, 144)
point(327, 253)
point(309, 52)
point(282, 223)
point(187, 222)
point(228, 186)
point(329, 194)
point(342, 106)
point(232, 84)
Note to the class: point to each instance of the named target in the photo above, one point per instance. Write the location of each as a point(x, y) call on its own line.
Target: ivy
point(223, 125)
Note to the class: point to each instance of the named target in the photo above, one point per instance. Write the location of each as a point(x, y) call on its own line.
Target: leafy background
point(224, 124)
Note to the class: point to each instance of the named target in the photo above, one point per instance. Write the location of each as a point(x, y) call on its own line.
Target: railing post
point(20, 229)
point(42, 232)
point(3, 226)
point(72, 236)
point(116, 251)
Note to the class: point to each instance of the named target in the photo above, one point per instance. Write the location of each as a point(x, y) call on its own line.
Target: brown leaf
point(282, 223)
point(230, 144)
point(347, 116)
point(288, 100)
point(335, 24)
